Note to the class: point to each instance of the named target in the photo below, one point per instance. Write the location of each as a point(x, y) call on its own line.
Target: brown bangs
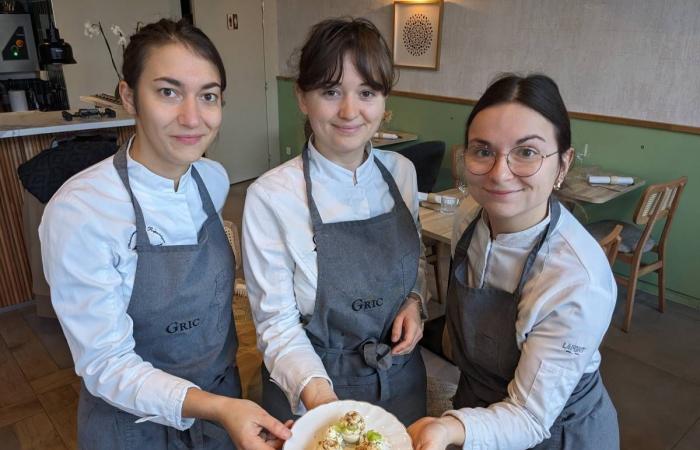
point(321, 61)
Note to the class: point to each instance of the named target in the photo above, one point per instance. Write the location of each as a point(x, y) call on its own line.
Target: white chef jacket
point(564, 311)
point(87, 238)
point(278, 250)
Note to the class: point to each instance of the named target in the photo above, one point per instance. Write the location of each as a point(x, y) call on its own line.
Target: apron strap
point(203, 193)
point(463, 244)
point(554, 213)
point(121, 165)
point(389, 179)
point(313, 209)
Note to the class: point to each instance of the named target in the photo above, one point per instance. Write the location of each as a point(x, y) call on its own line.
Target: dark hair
point(321, 60)
point(537, 92)
point(165, 32)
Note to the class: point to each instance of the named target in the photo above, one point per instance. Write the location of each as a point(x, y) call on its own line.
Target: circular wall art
point(418, 34)
point(416, 40)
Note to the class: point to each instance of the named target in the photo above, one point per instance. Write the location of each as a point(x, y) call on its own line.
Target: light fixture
point(55, 50)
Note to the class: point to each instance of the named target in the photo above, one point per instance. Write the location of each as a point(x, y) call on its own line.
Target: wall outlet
point(288, 150)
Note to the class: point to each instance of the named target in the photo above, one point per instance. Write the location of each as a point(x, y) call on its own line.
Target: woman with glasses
point(531, 293)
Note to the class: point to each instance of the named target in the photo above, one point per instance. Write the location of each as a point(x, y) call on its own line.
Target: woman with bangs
point(331, 242)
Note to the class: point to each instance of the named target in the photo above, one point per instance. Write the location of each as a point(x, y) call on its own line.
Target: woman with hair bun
point(531, 293)
point(141, 271)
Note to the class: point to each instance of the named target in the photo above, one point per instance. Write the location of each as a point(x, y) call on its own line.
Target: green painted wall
point(651, 154)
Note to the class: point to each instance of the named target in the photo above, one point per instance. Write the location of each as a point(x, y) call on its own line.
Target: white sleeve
point(553, 359)
point(86, 292)
point(269, 274)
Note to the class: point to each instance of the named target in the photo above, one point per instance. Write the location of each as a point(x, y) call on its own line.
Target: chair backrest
point(457, 164)
point(610, 243)
point(658, 201)
point(233, 239)
point(427, 159)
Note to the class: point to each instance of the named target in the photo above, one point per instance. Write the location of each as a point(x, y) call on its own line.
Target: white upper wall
point(94, 72)
point(625, 58)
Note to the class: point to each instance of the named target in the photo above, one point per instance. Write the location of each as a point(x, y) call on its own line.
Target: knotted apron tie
point(378, 356)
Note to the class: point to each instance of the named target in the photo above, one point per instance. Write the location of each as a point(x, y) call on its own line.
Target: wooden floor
point(39, 389)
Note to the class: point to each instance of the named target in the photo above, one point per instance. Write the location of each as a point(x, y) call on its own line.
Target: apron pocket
point(485, 351)
point(357, 388)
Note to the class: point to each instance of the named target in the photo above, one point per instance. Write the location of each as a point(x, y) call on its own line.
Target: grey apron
point(481, 322)
point(366, 268)
point(181, 309)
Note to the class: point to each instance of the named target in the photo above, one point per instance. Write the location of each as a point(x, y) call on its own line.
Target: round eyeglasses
point(522, 161)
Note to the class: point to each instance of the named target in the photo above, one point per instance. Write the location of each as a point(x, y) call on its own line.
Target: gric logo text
point(179, 327)
point(360, 304)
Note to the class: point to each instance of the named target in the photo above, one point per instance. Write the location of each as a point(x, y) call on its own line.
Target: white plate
point(311, 427)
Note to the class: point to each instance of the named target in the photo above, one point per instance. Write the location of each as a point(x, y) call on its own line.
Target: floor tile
point(51, 336)
point(666, 341)
point(66, 423)
point(691, 440)
point(440, 368)
point(38, 433)
point(15, 413)
point(57, 379)
point(655, 408)
point(58, 398)
point(33, 358)
point(9, 439)
point(14, 388)
point(14, 330)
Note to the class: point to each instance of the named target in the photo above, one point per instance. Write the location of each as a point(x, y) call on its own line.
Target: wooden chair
point(233, 239)
point(658, 202)
point(431, 256)
point(610, 244)
point(457, 164)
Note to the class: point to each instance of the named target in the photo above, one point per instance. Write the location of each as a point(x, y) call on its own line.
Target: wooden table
point(576, 188)
point(437, 233)
point(403, 137)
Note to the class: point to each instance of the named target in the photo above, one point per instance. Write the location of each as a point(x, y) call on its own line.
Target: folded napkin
point(382, 135)
point(623, 181)
point(429, 197)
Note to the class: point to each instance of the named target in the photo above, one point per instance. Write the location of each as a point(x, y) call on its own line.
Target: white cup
point(18, 101)
point(448, 204)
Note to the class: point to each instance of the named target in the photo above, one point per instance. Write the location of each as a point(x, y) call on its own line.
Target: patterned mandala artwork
point(418, 34)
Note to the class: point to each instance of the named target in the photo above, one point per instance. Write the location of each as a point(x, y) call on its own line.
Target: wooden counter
point(22, 136)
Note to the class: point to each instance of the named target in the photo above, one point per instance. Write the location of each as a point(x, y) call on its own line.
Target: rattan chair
point(658, 202)
point(233, 239)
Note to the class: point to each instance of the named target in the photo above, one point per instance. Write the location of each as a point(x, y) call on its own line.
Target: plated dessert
point(349, 432)
point(348, 425)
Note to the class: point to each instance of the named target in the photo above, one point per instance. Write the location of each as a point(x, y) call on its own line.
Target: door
point(236, 28)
